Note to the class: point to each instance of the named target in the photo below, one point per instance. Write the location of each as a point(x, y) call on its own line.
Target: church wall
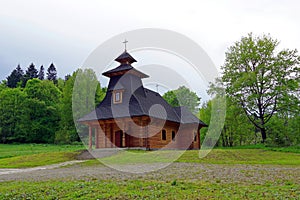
point(136, 135)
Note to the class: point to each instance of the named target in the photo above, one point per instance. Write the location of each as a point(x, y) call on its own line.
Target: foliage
point(15, 77)
point(41, 74)
point(183, 97)
point(261, 79)
point(30, 73)
point(41, 112)
point(42, 109)
point(52, 73)
point(11, 116)
point(73, 105)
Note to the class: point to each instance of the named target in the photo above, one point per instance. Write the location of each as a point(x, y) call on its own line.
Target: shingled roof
point(136, 100)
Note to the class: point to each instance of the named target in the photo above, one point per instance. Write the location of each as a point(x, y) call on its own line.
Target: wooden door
point(119, 138)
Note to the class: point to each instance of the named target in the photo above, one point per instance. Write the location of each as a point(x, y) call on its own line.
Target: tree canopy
point(261, 79)
point(183, 97)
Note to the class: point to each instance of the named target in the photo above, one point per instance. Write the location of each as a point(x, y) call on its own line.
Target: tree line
point(37, 108)
point(259, 82)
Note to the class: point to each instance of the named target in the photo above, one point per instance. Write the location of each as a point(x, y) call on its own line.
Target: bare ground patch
point(244, 174)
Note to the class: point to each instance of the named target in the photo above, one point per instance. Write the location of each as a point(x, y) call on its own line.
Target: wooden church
point(132, 116)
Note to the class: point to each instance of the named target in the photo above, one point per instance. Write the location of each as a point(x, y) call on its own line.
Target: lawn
point(216, 156)
point(267, 184)
point(12, 150)
point(32, 155)
point(144, 189)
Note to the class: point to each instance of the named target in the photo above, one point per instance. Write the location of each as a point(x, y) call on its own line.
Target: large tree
point(42, 106)
point(262, 79)
point(183, 97)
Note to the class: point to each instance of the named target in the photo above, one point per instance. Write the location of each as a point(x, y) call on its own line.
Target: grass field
point(143, 189)
point(32, 155)
point(279, 181)
point(12, 150)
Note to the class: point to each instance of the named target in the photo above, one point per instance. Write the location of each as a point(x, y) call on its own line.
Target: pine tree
point(52, 73)
point(15, 77)
point(31, 73)
point(41, 74)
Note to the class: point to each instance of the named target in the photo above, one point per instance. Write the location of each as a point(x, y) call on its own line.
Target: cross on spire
point(125, 43)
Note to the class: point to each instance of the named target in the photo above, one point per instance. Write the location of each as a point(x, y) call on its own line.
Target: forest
point(259, 82)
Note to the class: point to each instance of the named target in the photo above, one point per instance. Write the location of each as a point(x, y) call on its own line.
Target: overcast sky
point(65, 32)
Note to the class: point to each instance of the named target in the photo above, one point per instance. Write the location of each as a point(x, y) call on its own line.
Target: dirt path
point(254, 174)
point(26, 170)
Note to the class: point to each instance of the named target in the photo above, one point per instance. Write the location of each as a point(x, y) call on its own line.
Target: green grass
point(37, 159)
point(32, 155)
point(144, 189)
point(216, 156)
point(243, 156)
point(292, 149)
point(12, 150)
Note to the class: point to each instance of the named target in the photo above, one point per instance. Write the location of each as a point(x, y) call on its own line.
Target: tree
point(42, 106)
point(260, 78)
point(183, 97)
point(41, 74)
point(31, 73)
point(52, 73)
point(15, 77)
point(12, 115)
point(81, 93)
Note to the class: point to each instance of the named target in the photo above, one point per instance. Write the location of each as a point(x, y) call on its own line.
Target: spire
point(125, 57)
point(125, 60)
point(125, 43)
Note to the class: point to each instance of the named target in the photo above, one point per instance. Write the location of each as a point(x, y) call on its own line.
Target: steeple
point(125, 60)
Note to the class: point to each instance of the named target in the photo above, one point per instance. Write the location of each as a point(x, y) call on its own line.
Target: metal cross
point(125, 42)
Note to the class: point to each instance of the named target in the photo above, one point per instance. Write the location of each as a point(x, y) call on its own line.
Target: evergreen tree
point(15, 77)
point(31, 73)
point(41, 74)
point(52, 73)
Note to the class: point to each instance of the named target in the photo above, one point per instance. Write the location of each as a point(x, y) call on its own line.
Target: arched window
point(163, 135)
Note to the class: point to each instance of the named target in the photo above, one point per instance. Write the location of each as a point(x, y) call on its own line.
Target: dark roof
point(122, 69)
point(125, 57)
point(136, 100)
point(140, 105)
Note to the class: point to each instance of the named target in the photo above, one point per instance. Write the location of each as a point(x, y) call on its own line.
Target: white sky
point(67, 31)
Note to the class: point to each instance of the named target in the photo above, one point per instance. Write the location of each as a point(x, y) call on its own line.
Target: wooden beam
point(97, 137)
point(90, 138)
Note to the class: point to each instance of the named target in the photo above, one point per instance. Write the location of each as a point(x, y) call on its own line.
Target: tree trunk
point(263, 134)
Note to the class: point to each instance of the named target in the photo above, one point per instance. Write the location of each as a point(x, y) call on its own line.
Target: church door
point(118, 138)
